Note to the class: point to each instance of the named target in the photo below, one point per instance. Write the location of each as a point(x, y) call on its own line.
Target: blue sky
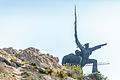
point(49, 26)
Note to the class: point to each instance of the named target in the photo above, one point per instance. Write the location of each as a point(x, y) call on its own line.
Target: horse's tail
point(63, 60)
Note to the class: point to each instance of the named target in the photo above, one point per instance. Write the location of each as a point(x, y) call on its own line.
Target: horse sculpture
point(72, 59)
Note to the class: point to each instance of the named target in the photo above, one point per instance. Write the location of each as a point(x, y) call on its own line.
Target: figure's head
point(77, 52)
point(86, 45)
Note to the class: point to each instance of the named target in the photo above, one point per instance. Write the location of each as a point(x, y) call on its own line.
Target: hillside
point(31, 64)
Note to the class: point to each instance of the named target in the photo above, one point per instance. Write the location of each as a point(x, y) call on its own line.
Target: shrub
point(35, 65)
point(16, 54)
point(97, 76)
point(2, 51)
point(17, 64)
point(74, 76)
point(49, 70)
point(81, 78)
point(61, 74)
point(46, 70)
point(27, 73)
point(42, 70)
point(13, 60)
point(27, 79)
point(75, 70)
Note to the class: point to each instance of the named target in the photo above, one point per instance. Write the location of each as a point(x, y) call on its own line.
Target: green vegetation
point(47, 70)
point(74, 76)
point(61, 74)
point(16, 54)
point(13, 60)
point(96, 76)
point(76, 68)
point(50, 71)
point(27, 79)
point(27, 73)
point(2, 51)
point(75, 71)
point(35, 65)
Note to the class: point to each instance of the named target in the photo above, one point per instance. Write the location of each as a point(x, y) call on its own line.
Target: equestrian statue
point(81, 56)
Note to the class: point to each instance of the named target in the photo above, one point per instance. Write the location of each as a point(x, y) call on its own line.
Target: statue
point(72, 59)
point(83, 54)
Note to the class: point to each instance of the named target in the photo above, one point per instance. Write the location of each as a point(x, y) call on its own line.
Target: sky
point(48, 25)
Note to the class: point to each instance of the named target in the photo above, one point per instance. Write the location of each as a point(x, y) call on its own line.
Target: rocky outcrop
point(10, 50)
point(31, 64)
point(28, 63)
point(33, 55)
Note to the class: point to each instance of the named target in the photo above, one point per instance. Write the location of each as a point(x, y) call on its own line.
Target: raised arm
point(97, 47)
point(76, 38)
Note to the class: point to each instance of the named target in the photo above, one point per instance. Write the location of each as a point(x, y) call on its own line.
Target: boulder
point(32, 55)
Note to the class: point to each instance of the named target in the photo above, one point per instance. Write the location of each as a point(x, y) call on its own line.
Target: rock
point(56, 58)
point(2, 59)
point(30, 64)
point(10, 50)
point(33, 55)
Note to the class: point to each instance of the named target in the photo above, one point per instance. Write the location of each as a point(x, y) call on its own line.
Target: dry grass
point(2, 68)
point(5, 74)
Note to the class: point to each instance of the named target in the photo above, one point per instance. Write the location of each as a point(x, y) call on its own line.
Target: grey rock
point(10, 50)
point(33, 55)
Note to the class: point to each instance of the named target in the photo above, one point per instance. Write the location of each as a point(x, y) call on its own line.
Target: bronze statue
point(81, 56)
point(85, 50)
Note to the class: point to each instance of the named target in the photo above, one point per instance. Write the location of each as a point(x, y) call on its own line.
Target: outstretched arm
point(76, 38)
point(97, 47)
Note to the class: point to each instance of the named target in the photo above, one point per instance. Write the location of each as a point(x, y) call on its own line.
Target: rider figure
point(85, 50)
